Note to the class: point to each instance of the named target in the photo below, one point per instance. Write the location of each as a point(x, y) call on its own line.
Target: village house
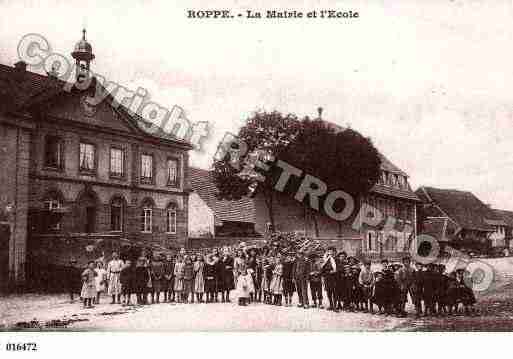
point(460, 219)
point(392, 197)
point(69, 168)
point(210, 216)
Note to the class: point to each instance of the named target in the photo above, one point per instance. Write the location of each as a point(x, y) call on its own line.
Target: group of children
point(272, 277)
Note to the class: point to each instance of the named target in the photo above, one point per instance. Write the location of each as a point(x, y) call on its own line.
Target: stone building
point(73, 168)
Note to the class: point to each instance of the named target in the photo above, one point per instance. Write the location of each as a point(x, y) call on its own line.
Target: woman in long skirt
point(227, 278)
point(179, 267)
point(188, 280)
point(276, 286)
point(199, 278)
point(88, 285)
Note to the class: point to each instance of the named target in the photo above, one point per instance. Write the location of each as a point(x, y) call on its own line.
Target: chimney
point(319, 111)
point(21, 66)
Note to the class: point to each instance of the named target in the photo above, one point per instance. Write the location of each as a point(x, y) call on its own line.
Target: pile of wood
point(291, 243)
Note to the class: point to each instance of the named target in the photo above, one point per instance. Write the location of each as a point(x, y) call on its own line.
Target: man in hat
point(301, 270)
point(329, 272)
point(429, 285)
point(406, 281)
point(113, 276)
point(315, 280)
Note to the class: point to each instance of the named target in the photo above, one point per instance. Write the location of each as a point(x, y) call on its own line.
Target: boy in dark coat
point(316, 281)
point(168, 280)
point(379, 293)
point(142, 278)
point(73, 279)
point(210, 278)
point(127, 279)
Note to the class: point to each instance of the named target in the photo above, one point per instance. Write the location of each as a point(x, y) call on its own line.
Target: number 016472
point(20, 347)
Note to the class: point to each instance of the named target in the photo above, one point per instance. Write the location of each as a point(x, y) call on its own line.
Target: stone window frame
point(179, 170)
point(60, 166)
point(172, 208)
point(124, 162)
point(145, 180)
point(147, 205)
point(83, 171)
point(123, 206)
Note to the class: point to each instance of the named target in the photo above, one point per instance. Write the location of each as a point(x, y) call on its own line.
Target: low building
point(210, 216)
point(507, 217)
point(459, 219)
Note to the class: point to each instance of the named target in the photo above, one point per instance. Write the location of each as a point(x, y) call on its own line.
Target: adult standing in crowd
point(302, 269)
point(113, 275)
point(226, 281)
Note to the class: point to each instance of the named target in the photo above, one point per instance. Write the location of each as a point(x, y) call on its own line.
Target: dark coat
point(226, 280)
point(142, 276)
point(302, 268)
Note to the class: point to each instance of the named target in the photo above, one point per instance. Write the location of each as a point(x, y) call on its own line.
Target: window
point(50, 205)
point(117, 162)
point(53, 152)
point(116, 215)
point(147, 167)
point(370, 248)
point(87, 157)
point(147, 219)
point(171, 219)
point(172, 172)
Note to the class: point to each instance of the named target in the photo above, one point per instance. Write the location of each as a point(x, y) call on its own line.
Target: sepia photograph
point(251, 166)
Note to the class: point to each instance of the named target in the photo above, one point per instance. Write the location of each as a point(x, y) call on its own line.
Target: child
point(88, 285)
point(276, 286)
point(316, 281)
point(288, 283)
point(267, 273)
point(127, 279)
point(243, 286)
point(169, 275)
point(179, 271)
point(199, 278)
point(210, 278)
point(141, 281)
point(157, 278)
point(366, 280)
point(188, 280)
point(465, 294)
point(379, 292)
point(101, 278)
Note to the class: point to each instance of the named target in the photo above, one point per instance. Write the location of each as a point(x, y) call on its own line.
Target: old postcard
point(255, 166)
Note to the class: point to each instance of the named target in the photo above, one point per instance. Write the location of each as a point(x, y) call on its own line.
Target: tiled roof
point(20, 89)
point(394, 192)
point(202, 182)
point(507, 216)
point(463, 207)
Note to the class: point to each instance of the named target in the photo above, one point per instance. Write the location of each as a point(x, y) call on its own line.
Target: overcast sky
point(430, 82)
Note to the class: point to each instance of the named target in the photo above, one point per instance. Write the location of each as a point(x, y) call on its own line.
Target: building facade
point(462, 219)
point(75, 168)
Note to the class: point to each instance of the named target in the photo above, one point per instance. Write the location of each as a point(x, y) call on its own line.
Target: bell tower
point(83, 55)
